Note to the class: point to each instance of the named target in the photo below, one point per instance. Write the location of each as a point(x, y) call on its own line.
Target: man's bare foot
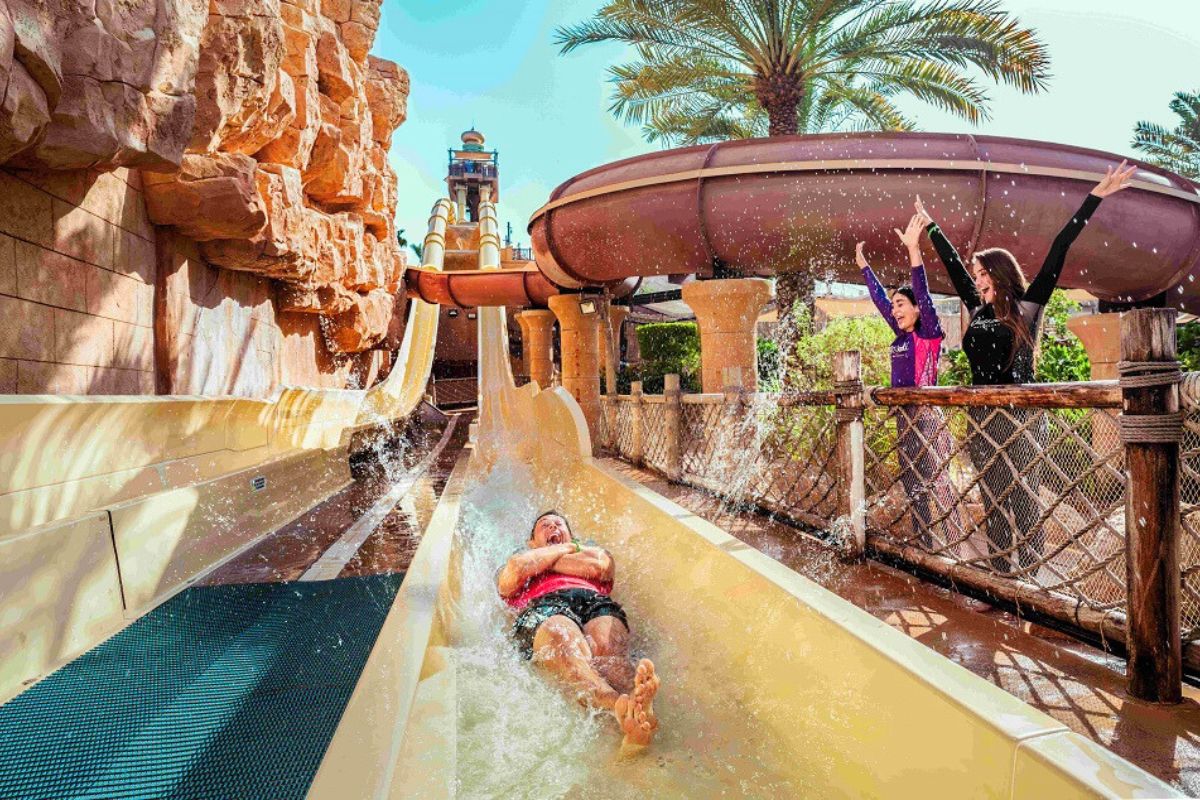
point(635, 711)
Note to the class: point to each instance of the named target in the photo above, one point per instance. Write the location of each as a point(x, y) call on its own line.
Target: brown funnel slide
point(771, 205)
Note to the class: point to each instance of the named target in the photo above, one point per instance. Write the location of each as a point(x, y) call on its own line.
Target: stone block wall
point(77, 269)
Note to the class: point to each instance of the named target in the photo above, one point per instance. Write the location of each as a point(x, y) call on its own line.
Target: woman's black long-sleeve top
point(987, 341)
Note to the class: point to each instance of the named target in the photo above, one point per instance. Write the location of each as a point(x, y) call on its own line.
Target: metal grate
point(222, 691)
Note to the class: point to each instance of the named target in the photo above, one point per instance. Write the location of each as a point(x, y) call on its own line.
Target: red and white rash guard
point(549, 582)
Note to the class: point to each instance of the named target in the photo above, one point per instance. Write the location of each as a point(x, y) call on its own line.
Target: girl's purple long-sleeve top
point(914, 353)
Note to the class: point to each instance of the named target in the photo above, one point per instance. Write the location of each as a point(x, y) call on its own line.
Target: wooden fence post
point(730, 444)
point(851, 472)
point(608, 407)
point(673, 427)
point(636, 446)
point(1151, 427)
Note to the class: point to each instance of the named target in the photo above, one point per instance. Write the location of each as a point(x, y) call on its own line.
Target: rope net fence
point(1028, 495)
point(1035, 495)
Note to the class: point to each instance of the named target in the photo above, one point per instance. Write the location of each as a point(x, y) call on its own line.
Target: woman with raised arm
point(924, 444)
point(1005, 322)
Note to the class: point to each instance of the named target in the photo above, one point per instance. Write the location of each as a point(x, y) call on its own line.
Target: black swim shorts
point(581, 606)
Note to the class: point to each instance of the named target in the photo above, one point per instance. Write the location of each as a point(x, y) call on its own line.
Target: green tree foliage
point(669, 347)
point(955, 369)
point(708, 70)
point(871, 336)
point(1177, 150)
point(1061, 356)
point(770, 365)
point(1188, 346)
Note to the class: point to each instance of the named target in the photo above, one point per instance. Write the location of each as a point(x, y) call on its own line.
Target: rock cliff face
point(261, 128)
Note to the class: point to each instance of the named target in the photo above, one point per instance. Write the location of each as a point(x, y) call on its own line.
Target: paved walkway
point(1077, 684)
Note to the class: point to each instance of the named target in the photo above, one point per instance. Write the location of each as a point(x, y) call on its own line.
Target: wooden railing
point(1031, 494)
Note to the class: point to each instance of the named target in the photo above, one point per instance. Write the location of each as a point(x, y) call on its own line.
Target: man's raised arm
point(523, 566)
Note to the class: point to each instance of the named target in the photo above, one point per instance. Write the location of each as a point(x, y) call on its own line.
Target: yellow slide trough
point(772, 686)
point(110, 505)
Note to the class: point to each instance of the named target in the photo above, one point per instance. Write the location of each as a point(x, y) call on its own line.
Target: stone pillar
point(537, 345)
point(580, 359)
point(608, 346)
point(1101, 337)
point(727, 311)
point(461, 201)
point(616, 321)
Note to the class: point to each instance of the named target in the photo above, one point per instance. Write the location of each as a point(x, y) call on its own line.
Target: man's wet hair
point(551, 513)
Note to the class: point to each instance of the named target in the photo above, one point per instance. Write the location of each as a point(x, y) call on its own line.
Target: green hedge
point(669, 347)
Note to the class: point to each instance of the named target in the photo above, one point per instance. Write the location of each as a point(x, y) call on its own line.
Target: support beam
point(580, 360)
point(727, 313)
point(537, 345)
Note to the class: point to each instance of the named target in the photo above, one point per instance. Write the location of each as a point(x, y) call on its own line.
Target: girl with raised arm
point(1005, 322)
point(924, 444)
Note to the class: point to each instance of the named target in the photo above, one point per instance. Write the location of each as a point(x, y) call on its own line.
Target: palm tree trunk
point(795, 298)
point(779, 95)
point(795, 301)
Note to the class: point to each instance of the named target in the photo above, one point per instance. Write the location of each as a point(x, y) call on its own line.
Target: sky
point(493, 64)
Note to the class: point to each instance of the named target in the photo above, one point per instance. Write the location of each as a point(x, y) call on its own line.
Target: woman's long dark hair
point(1010, 286)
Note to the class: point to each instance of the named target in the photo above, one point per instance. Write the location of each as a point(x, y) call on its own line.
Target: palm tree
point(419, 250)
point(718, 69)
point(1177, 150)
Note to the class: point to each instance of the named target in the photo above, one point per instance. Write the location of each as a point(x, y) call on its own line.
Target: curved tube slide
point(771, 205)
point(823, 696)
point(499, 287)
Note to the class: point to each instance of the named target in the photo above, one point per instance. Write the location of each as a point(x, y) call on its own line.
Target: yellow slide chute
point(796, 689)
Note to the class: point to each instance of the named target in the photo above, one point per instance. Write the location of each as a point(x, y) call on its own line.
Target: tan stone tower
point(474, 175)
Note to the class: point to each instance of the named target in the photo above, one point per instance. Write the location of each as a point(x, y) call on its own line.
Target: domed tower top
point(474, 175)
point(472, 141)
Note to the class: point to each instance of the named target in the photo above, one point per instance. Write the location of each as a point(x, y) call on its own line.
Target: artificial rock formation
point(288, 159)
point(260, 127)
point(89, 84)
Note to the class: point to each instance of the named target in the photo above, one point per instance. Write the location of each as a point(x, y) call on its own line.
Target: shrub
point(669, 347)
point(1061, 356)
point(871, 336)
point(955, 370)
point(1188, 340)
point(770, 363)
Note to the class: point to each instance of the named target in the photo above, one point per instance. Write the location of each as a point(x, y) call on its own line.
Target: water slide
point(773, 686)
point(109, 506)
point(768, 205)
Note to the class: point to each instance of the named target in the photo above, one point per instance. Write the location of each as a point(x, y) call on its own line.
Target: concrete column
point(1101, 337)
point(612, 355)
point(726, 311)
point(580, 359)
point(461, 202)
point(537, 345)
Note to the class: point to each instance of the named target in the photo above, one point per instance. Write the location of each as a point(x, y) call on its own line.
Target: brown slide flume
point(471, 288)
point(801, 202)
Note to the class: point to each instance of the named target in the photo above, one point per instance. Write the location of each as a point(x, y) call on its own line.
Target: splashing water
point(520, 736)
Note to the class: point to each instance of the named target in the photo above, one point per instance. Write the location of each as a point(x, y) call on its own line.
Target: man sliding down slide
point(571, 629)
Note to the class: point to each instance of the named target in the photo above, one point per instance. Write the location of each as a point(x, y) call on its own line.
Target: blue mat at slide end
point(221, 692)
